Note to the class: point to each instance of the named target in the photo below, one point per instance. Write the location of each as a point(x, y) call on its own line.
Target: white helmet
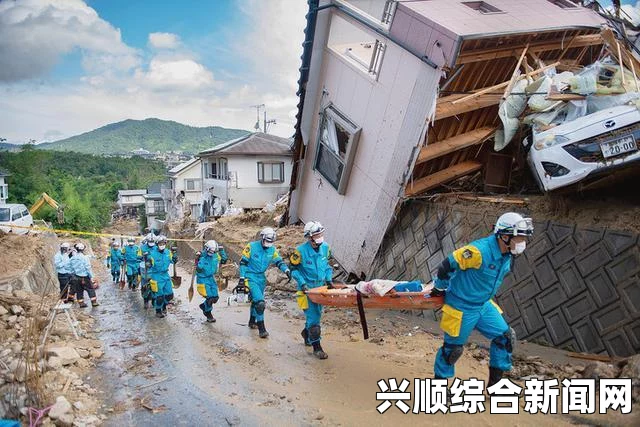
point(513, 224)
point(131, 239)
point(161, 240)
point(268, 234)
point(211, 246)
point(116, 244)
point(79, 246)
point(65, 246)
point(312, 228)
point(151, 239)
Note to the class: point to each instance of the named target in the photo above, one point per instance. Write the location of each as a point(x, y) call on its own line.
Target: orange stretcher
point(343, 296)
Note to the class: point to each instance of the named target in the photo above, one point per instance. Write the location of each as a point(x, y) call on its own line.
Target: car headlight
point(550, 141)
point(554, 170)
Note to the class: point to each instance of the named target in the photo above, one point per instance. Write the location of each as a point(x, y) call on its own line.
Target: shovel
point(175, 279)
point(193, 279)
point(123, 275)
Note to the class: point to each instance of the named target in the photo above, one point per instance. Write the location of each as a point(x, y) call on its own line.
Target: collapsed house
point(400, 99)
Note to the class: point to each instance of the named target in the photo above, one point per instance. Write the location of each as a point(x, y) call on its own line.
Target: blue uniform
point(81, 268)
point(115, 258)
point(63, 268)
point(478, 271)
point(310, 267)
point(208, 266)
point(132, 257)
point(160, 280)
point(253, 264)
point(147, 295)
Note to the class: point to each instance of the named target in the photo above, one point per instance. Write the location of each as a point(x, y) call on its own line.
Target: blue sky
point(74, 65)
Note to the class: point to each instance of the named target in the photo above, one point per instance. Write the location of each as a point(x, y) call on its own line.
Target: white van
point(15, 214)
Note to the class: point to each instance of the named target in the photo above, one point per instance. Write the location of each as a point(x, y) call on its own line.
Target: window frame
point(197, 184)
point(261, 166)
point(332, 114)
point(16, 211)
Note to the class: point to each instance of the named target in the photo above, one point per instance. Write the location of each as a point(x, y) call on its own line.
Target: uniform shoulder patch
point(295, 258)
point(247, 251)
point(468, 257)
point(275, 254)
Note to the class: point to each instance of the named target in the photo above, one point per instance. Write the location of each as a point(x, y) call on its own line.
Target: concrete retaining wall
point(576, 288)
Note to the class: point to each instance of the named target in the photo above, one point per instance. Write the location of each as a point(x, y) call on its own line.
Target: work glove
point(329, 284)
point(288, 273)
point(241, 282)
point(174, 249)
point(439, 287)
point(435, 292)
point(304, 288)
point(198, 254)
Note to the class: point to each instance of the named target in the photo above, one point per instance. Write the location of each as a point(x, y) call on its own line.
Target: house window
point(4, 191)
point(482, 7)
point(358, 46)
point(565, 4)
point(270, 172)
point(218, 169)
point(337, 143)
point(158, 206)
point(192, 184)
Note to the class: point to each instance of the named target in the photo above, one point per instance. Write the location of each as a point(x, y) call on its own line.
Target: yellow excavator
point(45, 198)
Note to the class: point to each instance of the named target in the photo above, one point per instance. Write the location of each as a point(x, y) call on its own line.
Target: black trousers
point(82, 284)
point(66, 290)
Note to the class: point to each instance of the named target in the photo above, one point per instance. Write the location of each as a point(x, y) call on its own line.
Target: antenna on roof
point(265, 122)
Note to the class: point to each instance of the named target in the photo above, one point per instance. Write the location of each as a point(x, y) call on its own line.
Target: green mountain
point(150, 134)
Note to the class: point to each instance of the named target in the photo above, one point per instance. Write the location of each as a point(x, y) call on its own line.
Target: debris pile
point(50, 376)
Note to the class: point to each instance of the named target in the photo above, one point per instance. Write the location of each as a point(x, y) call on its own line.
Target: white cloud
point(164, 40)
point(34, 34)
point(175, 75)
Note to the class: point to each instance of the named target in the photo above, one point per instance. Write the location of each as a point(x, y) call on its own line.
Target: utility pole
point(267, 122)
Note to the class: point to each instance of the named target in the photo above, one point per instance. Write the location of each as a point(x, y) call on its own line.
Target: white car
point(586, 147)
point(15, 214)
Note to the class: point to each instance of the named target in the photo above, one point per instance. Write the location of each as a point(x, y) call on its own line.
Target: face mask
point(267, 244)
point(520, 247)
point(151, 244)
point(319, 240)
point(161, 247)
point(131, 243)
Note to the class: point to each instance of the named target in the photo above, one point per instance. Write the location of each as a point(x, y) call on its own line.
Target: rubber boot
point(95, 304)
point(146, 304)
point(159, 313)
point(209, 317)
point(82, 305)
point(305, 336)
point(262, 330)
point(318, 351)
point(252, 323)
point(495, 375)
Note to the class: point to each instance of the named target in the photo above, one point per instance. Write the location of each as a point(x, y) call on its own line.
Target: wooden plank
point(432, 181)
point(564, 97)
point(610, 39)
point(514, 75)
point(540, 46)
point(445, 108)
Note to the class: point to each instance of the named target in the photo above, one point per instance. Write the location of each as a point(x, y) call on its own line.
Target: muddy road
point(182, 371)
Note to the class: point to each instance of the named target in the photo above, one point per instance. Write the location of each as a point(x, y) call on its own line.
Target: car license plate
point(618, 146)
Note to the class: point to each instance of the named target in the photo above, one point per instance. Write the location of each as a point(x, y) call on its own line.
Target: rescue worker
point(132, 257)
point(158, 263)
point(115, 260)
point(469, 279)
point(208, 265)
point(82, 281)
point(148, 246)
point(61, 261)
point(311, 269)
point(256, 258)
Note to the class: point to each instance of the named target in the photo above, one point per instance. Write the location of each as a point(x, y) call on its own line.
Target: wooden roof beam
point(540, 46)
point(432, 181)
point(458, 142)
point(445, 107)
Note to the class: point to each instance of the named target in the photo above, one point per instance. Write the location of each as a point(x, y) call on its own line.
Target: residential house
point(247, 172)
point(155, 208)
point(378, 120)
point(129, 201)
point(184, 193)
point(4, 186)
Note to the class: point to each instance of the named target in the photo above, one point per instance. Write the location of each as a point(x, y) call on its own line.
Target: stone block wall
point(575, 287)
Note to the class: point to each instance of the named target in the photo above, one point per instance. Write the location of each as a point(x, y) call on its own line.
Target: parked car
point(15, 214)
point(585, 148)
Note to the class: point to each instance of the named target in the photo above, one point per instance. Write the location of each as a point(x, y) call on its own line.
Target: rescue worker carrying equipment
point(148, 246)
point(157, 264)
point(469, 279)
point(115, 260)
point(256, 258)
point(83, 275)
point(311, 269)
point(132, 256)
point(208, 265)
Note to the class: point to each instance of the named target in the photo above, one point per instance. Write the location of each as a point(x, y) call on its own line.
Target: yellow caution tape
point(89, 233)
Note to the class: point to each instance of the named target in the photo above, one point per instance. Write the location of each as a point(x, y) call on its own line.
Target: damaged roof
point(486, 18)
point(256, 143)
